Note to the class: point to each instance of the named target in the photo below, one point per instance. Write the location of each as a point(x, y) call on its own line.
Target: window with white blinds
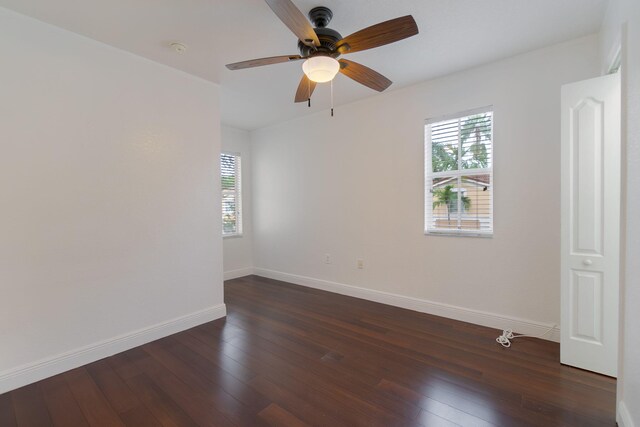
point(231, 194)
point(459, 174)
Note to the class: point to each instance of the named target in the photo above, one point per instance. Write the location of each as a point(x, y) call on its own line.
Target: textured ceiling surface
point(454, 35)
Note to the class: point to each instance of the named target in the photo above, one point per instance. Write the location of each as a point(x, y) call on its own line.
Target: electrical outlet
point(360, 264)
point(327, 258)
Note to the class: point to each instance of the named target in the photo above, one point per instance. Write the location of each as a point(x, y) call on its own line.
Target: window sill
point(452, 233)
point(232, 236)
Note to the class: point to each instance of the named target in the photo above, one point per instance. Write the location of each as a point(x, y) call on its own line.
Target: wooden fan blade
point(364, 75)
point(379, 35)
point(291, 16)
point(263, 61)
point(305, 89)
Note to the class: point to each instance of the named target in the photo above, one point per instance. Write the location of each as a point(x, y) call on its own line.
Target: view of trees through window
point(464, 145)
point(459, 174)
point(230, 180)
point(449, 198)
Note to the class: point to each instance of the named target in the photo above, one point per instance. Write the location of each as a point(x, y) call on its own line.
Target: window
point(459, 174)
point(231, 195)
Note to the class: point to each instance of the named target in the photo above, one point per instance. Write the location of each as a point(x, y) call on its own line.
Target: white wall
point(109, 194)
point(238, 250)
point(621, 27)
point(352, 187)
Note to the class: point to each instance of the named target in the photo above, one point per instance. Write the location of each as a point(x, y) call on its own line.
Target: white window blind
point(459, 174)
point(231, 194)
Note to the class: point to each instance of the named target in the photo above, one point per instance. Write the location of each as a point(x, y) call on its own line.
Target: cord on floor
point(508, 335)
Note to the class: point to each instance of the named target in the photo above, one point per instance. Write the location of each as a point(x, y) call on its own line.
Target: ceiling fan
point(321, 47)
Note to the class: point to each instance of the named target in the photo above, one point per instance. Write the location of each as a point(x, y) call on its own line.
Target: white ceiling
point(454, 35)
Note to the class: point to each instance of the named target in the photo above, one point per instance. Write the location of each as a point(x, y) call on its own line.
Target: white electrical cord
point(508, 335)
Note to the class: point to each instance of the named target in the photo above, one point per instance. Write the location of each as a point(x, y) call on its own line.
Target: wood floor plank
point(289, 355)
point(124, 366)
point(495, 413)
point(294, 403)
point(119, 395)
point(274, 415)
point(139, 416)
point(574, 415)
point(192, 400)
point(30, 407)
point(198, 341)
point(163, 408)
point(92, 402)
point(249, 399)
point(7, 415)
point(429, 419)
point(63, 407)
point(201, 381)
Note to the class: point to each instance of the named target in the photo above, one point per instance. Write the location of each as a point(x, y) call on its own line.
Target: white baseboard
point(45, 368)
point(241, 272)
point(483, 318)
point(624, 418)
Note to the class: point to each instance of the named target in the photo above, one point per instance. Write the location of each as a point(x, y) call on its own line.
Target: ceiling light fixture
point(321, 69)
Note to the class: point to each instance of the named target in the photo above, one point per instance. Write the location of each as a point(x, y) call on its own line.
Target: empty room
point(336, 213)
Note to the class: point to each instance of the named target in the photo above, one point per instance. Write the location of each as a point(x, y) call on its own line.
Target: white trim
point(616, 61)
point(613, 58)
point(483, 318)
point(624, 417)
point(453, 232)
point(230, 153)
point(45, 368)
point(232, 236)
point(241, 272)
point(464, 173)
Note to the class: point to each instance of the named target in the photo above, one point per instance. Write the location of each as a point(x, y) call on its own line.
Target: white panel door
point(590, 242)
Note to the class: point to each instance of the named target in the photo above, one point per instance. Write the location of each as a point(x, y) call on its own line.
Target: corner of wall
point(240, 272)
point(238, 251)
point(623, 417)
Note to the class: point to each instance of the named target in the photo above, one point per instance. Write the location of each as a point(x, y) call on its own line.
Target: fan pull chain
point(331, 98)
point(309, 92)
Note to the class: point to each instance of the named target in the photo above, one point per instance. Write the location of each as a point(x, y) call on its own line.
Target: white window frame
point(238, 193)
point(429, 175)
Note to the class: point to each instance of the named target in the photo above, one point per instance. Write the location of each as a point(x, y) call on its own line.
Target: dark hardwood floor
point(292, 356)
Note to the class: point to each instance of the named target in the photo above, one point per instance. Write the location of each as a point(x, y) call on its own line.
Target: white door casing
point(590, 224)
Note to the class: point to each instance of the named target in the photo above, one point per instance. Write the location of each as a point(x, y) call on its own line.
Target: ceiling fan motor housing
point(320, 17)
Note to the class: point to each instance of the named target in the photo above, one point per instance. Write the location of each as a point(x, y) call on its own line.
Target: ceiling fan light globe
point(321, 69)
